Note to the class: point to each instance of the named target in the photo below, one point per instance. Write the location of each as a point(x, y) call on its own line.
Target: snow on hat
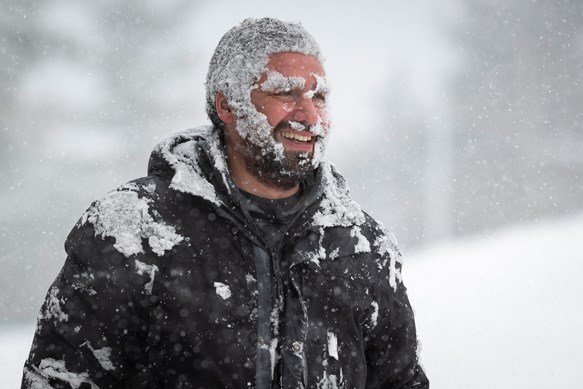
point(242, 55)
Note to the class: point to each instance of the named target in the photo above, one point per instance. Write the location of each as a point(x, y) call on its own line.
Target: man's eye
point(319, 96)
point(319, 100)
point(283, 93)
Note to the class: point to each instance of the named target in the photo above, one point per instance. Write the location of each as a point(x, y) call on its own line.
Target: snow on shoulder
point(52, 307)
point(337, 207)
point(388, 249)
point(125, 216)
point(49, 368)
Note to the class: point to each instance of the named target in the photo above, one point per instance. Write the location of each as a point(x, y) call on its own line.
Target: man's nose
point(306, 111)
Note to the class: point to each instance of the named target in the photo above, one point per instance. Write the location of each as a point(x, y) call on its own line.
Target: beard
point(266, 158)
point(274, 167)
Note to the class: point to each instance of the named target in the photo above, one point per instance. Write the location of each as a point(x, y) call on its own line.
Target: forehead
point(295, 64)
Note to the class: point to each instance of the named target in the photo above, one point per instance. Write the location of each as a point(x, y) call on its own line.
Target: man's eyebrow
point(277, 81)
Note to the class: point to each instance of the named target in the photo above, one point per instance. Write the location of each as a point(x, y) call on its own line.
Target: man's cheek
point(322, 127)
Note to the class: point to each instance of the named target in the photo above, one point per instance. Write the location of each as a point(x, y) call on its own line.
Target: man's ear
point(224, 111)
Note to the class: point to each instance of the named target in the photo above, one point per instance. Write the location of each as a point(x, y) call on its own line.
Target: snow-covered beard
point(266, 159)
point(282, 173)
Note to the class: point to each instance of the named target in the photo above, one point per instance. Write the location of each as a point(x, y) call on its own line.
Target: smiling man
point(271, 145)
point(241, 260)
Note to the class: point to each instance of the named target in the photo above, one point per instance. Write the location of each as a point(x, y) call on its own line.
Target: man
point(240, 260)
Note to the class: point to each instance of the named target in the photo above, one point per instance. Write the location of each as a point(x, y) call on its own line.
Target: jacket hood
point(195, 162)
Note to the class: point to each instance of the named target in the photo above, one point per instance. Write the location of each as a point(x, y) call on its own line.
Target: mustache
point(285, 124)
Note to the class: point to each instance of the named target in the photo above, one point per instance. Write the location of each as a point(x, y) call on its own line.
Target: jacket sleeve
point(391, 346)
point(86, 335)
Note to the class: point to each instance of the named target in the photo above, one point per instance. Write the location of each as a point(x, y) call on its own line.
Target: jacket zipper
point(277, 289)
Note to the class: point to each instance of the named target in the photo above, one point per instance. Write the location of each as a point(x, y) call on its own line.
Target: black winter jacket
point(168, 284)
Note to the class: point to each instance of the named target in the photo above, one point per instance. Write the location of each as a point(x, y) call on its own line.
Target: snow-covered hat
point(242, 55)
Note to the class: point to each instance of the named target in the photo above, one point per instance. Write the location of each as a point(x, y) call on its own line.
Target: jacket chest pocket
point(335, 296)
point(336, 309)
point(205, 312)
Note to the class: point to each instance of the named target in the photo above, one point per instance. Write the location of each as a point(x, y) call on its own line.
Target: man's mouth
point(296, 136)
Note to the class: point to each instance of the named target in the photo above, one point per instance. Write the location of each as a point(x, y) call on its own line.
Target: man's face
point(292, 91)
point(279, 140)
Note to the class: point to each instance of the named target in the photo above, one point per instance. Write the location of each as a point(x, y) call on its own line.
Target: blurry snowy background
point(457, 123)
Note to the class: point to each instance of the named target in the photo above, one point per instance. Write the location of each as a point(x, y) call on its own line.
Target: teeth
point(296, 136)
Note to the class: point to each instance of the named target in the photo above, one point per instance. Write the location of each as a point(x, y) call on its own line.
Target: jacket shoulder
point(130, 218)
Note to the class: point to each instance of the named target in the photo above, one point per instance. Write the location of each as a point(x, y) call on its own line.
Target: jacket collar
point(194, 160)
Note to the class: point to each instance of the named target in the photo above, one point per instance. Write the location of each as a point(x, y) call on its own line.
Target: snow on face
point(279, 133)
point(239, 62)
point(276, 82)
point(243, 52)
point(290, 96)
point(296, 126)
point(293, 87)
